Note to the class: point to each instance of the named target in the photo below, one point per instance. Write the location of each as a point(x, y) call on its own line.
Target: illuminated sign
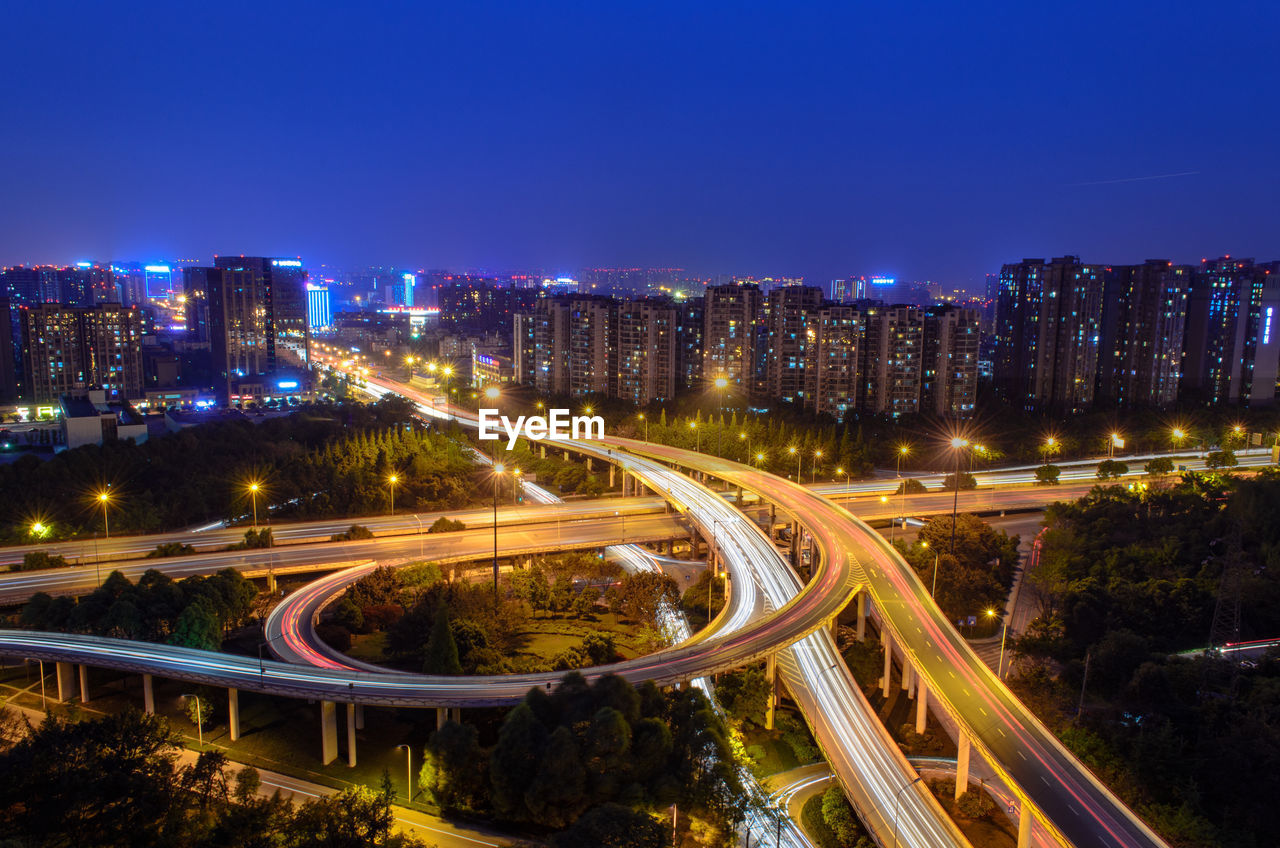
point(1266, 326)
point(288, 384)
point(84, 265)
point(157, 269)
point(287, 263)
point(884, 281)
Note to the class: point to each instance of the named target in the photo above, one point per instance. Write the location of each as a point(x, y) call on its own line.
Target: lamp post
point(1003, 632)
point(743, 436)
point(903, 450)
point(391, 488)
point(408, 774)
point(759, 460)
point(957, 444)
point(896, 798)
point(253, 497)
point(199, 717)
point(840, 471)
point(498, 470)
point(721, 383)
point(813, 466)
point(1177, 436)
point(1116, 441)
point(697, 436)
point(792, 450)
point(646, 426)
point(104, 498)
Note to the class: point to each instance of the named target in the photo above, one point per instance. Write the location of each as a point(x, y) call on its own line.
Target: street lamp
point(104, 497)
point(933, 592)
point(1178, 435)
point(1004, 632)
point(498, 470)
point(903, 450)
point(957, 444)
point(759, 460)
point(199, 717)
point(253, 496)
point(720, 383)
point(1116, 441)
point(792, 450)
point(492, 393)
point(646, 426)
point(408, 753)
point(847, 486)
point(744, 437)
point(896, 798)
point(391, 487)
point(813, 466)
point(39, 529)
point(697, 438)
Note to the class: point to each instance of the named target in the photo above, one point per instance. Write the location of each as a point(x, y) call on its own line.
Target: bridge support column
point(566, 456)
point(148, 695)
point(233, 718)
point(1026, 818)
point(328, 732)
point(456, 714)
point(922, 706)
point(862, 614)
point(359, 716)
point(771, 675)
point(351, 735)
point(739, 501)
point(962, 764)
point(908, 677)
point(84, 683)
point(543, 448)
point(590, 465)
point(66, 680)
point(888, 661)
point(442, 715)
point(613, 475)
point(773, 519)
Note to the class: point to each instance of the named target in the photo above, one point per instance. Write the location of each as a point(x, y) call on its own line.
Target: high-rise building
point(195, 285)
point(790, 316)
point(731, 316)
point(1143, 319)
point(72, 349)
point(647, 350)
point(949, 366)
point(690, 323)
point(834, 366)
point(480, 303)
point(319, 308)
point(592, 346)
point(10, 356)
point(1048, 324)
point(524, 348)
point(1231, 344)
point(892, 355)
point(258, 322)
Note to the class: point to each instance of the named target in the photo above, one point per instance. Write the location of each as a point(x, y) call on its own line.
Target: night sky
point(928, 141)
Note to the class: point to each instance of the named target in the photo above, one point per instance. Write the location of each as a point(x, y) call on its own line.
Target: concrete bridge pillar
point(271, 582)
point(626, 485)
point(739, 501)
point(359, 716)
point(771, 674)
point(65, 675)
point(590, 465)
point(233, 719)
point(566, 456)
point(773, 519)
point(442, 715)
point(328, 732)
point(148, 695)
point(543, 448)
point(862, 613)
point(922, 706)
point(908, 677)
point(456, 714)
point(84, 683)
point(887, 638)
point(613, 475)
point(351, 735)
point(962, 764)
point(1026, 818)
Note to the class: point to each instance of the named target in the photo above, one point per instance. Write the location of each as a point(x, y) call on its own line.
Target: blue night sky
point(925, 140)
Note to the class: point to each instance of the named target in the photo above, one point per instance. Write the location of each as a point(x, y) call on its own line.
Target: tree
point(557, 794)
point(1159, 466)
point(967, 481)
point(442, 650)
point(347, 614)
point(613, 826)
point(38, 560)
point(356, 531)
point(446, 525)
point(1048, 475)
point(514, 761)
point(1221, 459)
point(198, 627)
point(838, 815)
point(911, 486)
point(641, 594)
point(171, 549)
point(1110, 469)
point(454, 767)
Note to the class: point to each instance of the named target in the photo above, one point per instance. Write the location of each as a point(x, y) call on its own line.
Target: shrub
point(911, 486)
point(1047, 475)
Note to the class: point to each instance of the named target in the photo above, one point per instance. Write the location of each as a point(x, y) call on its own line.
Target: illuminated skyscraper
point(731, 315)
point(70, 349)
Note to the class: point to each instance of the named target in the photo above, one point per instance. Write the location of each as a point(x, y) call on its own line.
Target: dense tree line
point(582, 746)
point(1128, 578)
point(321, 461)
point(194, 612)
point(115, 782)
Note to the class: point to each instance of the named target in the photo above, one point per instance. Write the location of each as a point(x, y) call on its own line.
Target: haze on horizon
point(926, 141)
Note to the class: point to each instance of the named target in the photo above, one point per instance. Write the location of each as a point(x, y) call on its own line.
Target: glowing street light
point(498, 470)
point(697, 438)
point(759, 459)
point(253, 496)
point(391, 487)
point(720, 383)
point(104, 498)
point(792, 450)
point(642, 418)
point(39, 529)
point(1116, 441)
point(958, 444)
point(1003, 633)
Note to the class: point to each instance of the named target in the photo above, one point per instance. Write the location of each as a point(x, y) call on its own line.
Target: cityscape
point(594, 453)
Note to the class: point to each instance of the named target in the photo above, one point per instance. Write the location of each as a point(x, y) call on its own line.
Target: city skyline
point(901, 142)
